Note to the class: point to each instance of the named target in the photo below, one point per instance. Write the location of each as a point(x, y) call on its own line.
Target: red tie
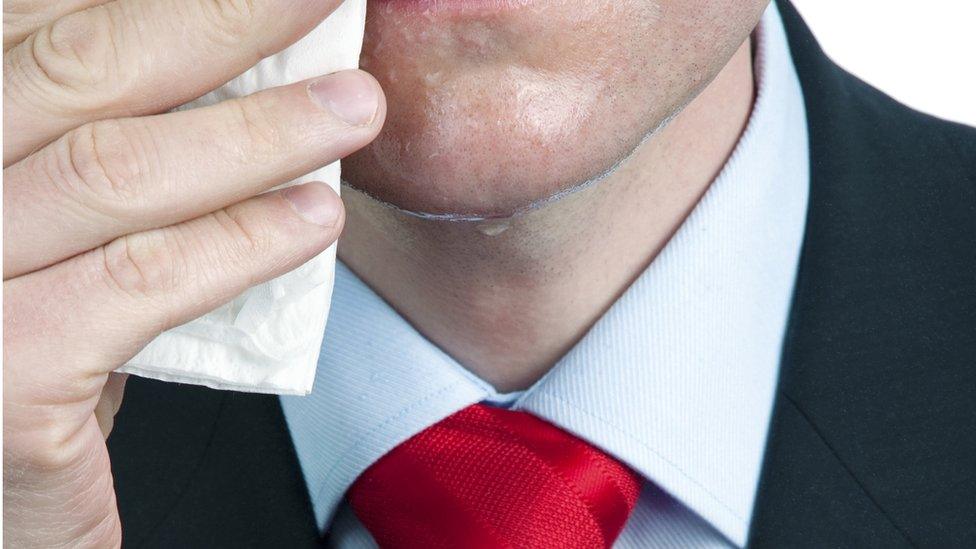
point(487, 477)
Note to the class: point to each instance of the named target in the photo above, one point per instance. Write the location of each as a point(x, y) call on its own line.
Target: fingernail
point(350, 95)
point(315, 203)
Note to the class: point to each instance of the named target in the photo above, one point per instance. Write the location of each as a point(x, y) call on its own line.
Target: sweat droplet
point(494, 227)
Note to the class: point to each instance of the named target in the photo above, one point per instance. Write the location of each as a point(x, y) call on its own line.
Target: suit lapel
point(202, 468)
point(807, 498)
point(161, 435)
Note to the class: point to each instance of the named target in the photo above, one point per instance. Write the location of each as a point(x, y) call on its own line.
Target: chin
point(495, 106)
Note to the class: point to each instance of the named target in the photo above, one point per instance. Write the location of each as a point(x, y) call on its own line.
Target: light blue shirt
point(676, 380)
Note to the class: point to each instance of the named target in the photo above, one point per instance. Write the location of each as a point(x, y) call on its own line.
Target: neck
point(508, 298)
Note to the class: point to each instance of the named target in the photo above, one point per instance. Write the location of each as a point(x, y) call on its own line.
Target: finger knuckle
point(79, 53)
point(103, 167)
point(230, 21)
point(245, 236)
point(38, 470)
point(46, 456)
point(52, 445)
point(253, 119)
point(143, 265)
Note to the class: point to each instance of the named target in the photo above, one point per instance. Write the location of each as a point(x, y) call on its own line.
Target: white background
point(922, 52)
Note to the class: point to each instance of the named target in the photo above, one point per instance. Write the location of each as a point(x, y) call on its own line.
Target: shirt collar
point(677, 379)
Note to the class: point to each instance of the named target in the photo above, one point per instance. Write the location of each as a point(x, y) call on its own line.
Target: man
point(614, 272)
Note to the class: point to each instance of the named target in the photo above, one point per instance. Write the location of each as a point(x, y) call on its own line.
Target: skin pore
point(490, 116)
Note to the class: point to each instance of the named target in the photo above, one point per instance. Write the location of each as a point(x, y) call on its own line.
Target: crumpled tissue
point(266, 340)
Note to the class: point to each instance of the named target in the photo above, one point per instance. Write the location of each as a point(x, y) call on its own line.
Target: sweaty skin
point(495, 109)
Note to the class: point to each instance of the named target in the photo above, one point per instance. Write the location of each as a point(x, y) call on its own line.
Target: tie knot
point(487, 477)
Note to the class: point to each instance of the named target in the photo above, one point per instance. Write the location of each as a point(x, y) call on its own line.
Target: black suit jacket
point(873, 437)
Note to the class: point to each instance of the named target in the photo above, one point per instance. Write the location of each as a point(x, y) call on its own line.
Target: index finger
point(134, 57)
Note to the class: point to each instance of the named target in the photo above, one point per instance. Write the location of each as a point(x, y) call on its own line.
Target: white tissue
point(266, 340)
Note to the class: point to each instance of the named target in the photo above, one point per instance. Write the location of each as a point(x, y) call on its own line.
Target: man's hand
point(120, 222)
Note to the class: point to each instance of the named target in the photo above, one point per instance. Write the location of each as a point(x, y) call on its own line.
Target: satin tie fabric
point(487, 478)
